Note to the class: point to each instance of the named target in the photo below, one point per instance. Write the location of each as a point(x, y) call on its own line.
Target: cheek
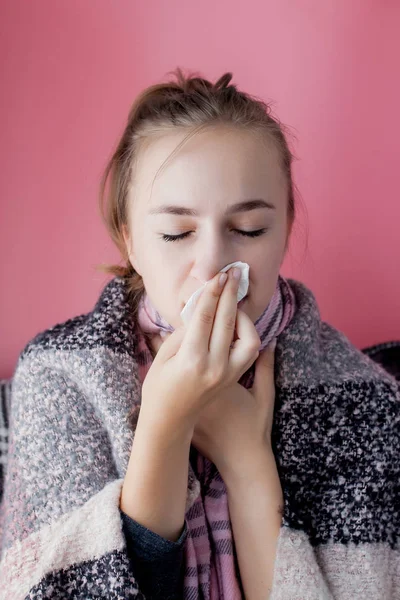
point(153, 261)
point(263, 271)
point(263, 280)
point(162, 283)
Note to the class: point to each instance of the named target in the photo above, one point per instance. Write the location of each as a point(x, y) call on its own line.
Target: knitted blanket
point(336, 439)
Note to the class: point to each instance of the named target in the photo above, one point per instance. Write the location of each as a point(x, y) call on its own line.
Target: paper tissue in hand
point(190, 305)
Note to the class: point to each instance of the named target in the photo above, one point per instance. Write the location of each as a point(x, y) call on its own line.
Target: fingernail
point(236, 273)
point(222, 278)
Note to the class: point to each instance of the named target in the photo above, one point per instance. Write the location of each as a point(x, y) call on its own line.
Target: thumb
point(171, 344)
point(265, 365)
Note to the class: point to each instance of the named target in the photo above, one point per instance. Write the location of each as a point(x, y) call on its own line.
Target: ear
point(129, 249)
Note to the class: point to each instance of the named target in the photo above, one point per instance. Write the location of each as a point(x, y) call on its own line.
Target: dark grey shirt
point(157, 563)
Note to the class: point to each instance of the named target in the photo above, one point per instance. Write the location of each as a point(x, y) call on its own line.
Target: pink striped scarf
point(211, 568)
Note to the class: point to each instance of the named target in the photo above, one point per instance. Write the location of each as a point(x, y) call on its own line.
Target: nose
point(205, 271)
point(213, 255)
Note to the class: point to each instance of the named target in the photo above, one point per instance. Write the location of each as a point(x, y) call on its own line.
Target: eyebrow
point(234, 208)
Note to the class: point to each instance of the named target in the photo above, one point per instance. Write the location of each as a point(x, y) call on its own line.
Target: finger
point(224, 322)
point(199, 329)
point(171, 344)
point(156, 342)
point(247, 346)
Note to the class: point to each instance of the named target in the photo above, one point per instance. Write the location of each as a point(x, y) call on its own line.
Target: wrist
point(163, 429)
point(154, 490)
point(251, 469)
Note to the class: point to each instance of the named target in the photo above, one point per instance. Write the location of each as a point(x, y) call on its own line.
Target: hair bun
point(196, 83)
point(224, 81)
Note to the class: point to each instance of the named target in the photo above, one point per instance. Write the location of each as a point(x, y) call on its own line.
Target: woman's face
point(200, 195)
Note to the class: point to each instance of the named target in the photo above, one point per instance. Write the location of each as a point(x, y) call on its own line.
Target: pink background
point(69, 73)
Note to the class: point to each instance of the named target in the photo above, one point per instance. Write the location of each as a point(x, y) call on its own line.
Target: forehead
point(217, 164)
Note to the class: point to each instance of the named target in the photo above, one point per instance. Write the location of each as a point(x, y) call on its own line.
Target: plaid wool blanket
point(336, 439)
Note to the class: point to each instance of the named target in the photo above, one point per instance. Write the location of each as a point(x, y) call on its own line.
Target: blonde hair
point(189, 102)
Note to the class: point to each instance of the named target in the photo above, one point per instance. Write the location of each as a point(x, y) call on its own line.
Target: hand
point(235, 429)
point(195, 363)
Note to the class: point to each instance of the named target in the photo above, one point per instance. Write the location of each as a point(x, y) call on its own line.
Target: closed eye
point(173, 238)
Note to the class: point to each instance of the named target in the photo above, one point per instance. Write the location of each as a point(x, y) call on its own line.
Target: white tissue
point(190, 305)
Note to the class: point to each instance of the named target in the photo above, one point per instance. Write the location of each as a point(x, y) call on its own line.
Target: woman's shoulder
point(316, 351)
point(108, 324)
point(66, 335)
point(337, 347)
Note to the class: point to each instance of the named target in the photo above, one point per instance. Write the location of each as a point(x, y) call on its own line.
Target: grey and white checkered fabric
point(5, 398)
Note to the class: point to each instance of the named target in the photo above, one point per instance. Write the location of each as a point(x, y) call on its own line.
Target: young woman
point(151, 458)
